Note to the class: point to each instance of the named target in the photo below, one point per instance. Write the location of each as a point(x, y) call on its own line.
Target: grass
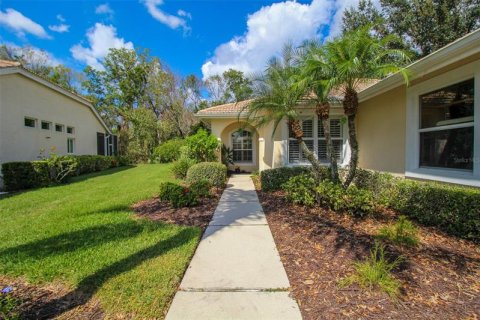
point(402, 232)
point(84, 235)
point(375, 272)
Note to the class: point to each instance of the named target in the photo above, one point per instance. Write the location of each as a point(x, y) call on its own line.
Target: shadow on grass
point(87, 288)
point(72, 241)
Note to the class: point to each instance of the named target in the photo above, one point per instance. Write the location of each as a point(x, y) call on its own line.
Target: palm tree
point(277, 94)
point(356, 57)
point(317, 76)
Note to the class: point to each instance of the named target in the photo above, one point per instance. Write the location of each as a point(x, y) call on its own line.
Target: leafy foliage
point(231, 86)
point(355, 201)
point(8, 306)
point(202, 146)
point(201, 188)
point(274, 179)
point(376, 271)
point(401, 232)
point(181, 166)
point(227, 155)
point(61, 168)
point(178, 196)
point(213, 172)
point(168, 151)
point(426, 25)
point(301, 189)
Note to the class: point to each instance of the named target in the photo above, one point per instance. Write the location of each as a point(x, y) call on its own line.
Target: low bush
point(214, 172)
point(273, 179)
point(181, 166)
point(402, 232)
point(355, 201)
point(25, 175)
point(9, 305)
point(376, 271)
point(300, 190)
point(178, 196)
point(168, 151)
point(201, 188)
point(55, 169)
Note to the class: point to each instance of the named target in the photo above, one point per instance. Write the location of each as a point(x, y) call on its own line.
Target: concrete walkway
point(236, 272)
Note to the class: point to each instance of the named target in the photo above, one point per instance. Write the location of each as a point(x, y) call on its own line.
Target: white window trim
point(412, 147)
point(335, 113)
point(254, 147)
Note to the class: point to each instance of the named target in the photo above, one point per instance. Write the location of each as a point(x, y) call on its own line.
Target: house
point(428, 130)
point(38, 117)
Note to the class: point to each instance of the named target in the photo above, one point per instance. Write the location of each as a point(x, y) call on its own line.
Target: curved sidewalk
point(236, 272)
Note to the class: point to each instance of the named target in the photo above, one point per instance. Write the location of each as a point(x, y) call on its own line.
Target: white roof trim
point(34, 77)
point(456, 51)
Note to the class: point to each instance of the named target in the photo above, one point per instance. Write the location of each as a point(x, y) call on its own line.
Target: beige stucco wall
point(381, 123)
point(22, 97)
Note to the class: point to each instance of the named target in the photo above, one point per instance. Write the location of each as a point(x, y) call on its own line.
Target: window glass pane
point(293, 151)
point(337, 149)
point(449, 105)
point(451, 149)
point(58, 128)
point(307, 126)
point(29, 123)
point(69, 130)
point(335, 128)
point(45, 125)
point(242, 146)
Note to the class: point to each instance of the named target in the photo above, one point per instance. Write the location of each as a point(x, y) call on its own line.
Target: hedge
point(274, 179)
point(213, 172)
point(33, 174)
point(168, 151)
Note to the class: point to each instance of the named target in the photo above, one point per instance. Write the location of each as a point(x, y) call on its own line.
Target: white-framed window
point(70, 130)
point(70, 145)
point(242, 146)
point(443, 139)
point(46, 125)
point(295, 154)
point(336, 133)
point(59, 127)
point(30, 122)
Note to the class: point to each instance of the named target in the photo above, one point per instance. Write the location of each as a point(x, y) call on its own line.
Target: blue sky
point(203, 37)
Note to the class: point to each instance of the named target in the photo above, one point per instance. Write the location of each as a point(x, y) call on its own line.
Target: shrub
point(202, 146)
point(401, 232)
point(375, 271)
point(201, 188)
point(25, 175)
point(273, 179)
point(355, 201)
point(61, 169)
point(168, 151)
point(300, 189)
point(9, 305)
point(177, 195)
point(382, 185)
point(213, 172)
point(181, 166)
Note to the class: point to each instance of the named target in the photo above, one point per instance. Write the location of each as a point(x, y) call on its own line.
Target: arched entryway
point(242, 140)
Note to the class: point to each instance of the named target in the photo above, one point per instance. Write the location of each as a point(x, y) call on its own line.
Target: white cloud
point(21, 25)
point(104, 9)
point(100, 39)
point(183, 13)
point(269, 28)
point(169, 20)
point(60, 18)
point(60, 28)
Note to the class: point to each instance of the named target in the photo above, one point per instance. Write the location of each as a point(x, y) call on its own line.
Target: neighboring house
point(38, 117)
point(428, 130)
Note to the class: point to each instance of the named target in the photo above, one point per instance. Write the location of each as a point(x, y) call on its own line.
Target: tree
point(277, 94)
point(192, 87)
point(356, 57)
point(317, 75)
point(426, 25)
point(231, 86)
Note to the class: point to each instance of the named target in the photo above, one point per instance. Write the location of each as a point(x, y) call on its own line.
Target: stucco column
point(261, 153)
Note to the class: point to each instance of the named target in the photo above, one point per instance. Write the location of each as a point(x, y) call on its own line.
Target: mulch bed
point(31, 298)
point(440, 278)
point(198, 216)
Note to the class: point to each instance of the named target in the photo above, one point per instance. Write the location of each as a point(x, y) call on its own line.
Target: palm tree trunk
point(330, 151)
point(350, 106)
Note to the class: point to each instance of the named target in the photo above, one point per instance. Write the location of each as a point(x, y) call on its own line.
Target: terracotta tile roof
point(228, 109)
point(234, 108)
point(8, 64)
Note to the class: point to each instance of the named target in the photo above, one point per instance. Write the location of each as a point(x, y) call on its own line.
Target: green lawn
point(84, 235)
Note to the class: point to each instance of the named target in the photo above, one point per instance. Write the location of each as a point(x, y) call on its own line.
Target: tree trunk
point(352, 140)
point(323, 113)
point(330, 151)
point(350, 107)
